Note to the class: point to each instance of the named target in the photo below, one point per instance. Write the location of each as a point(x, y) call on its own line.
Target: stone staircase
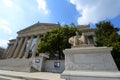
point(23, 65)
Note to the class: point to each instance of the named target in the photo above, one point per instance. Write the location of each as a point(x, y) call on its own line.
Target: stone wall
point(25, 65)
point(51, 66)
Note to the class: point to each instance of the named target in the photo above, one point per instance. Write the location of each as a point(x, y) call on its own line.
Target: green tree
point(56, 40)
point(107, 35)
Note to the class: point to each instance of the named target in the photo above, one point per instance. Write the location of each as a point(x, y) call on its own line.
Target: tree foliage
point(107, 35)
point(56, 40)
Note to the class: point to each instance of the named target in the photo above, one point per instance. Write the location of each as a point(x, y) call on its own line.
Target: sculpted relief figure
point(77, 40)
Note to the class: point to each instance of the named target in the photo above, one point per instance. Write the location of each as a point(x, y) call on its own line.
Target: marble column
point(13, 48)
point(28, 48)
point(88, 40)
point(18, 47)
point(94, 38)
point(34, 51)
point(9, 50)
point(5, 53)
point(23, 47)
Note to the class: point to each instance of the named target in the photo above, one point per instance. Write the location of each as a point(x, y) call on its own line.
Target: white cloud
point(3, 43)
point(11, 6)
point(8, 3)
point(42, 6)
point(11, 38)
point(92, 11)
point(4, 25)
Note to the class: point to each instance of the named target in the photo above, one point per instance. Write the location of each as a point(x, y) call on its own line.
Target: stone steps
point(16, 64)
point(30, 76)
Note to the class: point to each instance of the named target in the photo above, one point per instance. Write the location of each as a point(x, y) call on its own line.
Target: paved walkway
point(12, 75)
point(8, 78)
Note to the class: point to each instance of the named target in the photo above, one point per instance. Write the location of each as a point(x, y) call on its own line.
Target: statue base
point(83, 45)
point(90, 60)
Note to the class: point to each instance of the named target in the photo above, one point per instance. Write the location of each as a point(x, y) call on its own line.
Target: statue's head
point(83, 34)
point(76, 33)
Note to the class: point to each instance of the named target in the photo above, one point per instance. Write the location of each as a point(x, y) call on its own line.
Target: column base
point(90, 75)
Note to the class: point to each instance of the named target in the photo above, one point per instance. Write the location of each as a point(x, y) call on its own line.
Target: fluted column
point(5, 53)
point(18, 48)
point(28, 48)
point(88, 40)
point(94, 38)
point(34, 51)
point(13, 48)
point(8, 52)
point(23, 47)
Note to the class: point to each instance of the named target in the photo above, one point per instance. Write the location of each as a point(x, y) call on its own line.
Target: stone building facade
point(24, 46)
point(1, 51)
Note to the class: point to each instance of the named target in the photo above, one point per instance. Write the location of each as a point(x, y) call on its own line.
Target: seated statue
point(77, 40)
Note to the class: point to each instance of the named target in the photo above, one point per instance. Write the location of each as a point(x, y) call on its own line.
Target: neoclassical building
point(1, 51)
point(24, 46)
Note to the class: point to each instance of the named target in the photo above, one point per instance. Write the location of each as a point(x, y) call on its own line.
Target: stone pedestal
point(38, 62)
point(89, 63)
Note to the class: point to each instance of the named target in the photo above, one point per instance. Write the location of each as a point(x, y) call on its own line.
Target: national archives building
point(24, 46)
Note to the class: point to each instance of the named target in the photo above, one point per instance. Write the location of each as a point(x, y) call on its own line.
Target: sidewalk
point(8, 78)
point(35, 75)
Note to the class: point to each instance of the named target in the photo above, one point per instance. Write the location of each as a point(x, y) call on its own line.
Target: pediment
point(38, 27)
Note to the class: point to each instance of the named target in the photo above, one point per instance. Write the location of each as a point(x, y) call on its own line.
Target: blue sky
point(19, 14)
